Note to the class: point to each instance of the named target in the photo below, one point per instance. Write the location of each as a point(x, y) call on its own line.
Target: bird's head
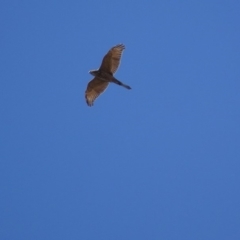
point(93, 72)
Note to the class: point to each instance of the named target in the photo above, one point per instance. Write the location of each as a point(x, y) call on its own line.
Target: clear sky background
point(160, 161)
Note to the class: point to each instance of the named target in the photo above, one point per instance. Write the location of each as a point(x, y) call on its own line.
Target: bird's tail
point(121, 84)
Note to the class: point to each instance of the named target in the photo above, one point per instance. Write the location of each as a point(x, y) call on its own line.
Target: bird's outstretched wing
point(94, 89)
point(111, 60)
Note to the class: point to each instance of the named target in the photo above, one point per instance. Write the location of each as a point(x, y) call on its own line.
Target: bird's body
point(104, 75)
point(108, 77)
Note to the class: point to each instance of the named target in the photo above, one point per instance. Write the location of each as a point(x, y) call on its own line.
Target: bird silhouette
point(104, 75)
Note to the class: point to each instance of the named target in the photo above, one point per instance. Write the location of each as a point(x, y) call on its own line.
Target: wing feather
point(111, 60)
point(94, 88)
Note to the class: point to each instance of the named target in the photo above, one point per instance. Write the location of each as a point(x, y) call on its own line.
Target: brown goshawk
point(104, 75)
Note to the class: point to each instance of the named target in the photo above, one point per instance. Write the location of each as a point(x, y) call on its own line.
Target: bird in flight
point(104, 75)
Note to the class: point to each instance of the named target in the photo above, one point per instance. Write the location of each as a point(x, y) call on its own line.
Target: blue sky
point(160, 161)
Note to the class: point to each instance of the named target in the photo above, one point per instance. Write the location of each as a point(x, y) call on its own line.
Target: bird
point(104, 75)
